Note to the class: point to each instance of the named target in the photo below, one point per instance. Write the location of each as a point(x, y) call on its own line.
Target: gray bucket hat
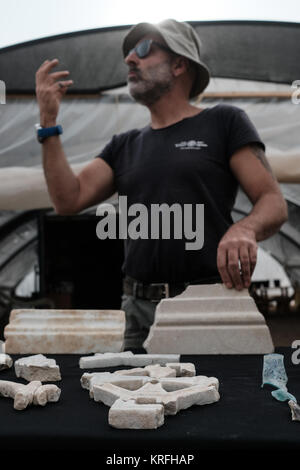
point(181, 38)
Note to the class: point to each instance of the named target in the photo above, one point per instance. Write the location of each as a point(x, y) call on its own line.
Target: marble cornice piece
point(209, 319)
point(33, 331)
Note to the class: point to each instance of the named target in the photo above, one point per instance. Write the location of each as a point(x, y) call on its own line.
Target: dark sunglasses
point(142, 50)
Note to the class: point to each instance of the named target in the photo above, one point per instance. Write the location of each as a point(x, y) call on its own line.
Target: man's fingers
point(245, 265)
point(63, 85)
point(253, 258)
point(222, 267)
point(60, 74)
point(47, 65)
point(234, 268)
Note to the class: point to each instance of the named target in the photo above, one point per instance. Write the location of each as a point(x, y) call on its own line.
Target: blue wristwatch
point(43, 132)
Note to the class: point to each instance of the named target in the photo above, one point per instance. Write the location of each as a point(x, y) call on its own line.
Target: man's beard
point(149, 86)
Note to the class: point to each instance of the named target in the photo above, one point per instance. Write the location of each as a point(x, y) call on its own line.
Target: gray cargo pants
point(140, 315)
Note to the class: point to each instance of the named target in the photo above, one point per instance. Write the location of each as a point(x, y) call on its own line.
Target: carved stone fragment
point(209, 319)
point(140, 401)
point(130, 415)
point(5, 361)
point(295, 409)
point(183, 369)
point(37, 367)
point(126, 358)
point(153, 392)
point(33, 331)
point(129, 382)
point(32, 393)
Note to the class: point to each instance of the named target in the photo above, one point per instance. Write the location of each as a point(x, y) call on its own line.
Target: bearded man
point(186, 155)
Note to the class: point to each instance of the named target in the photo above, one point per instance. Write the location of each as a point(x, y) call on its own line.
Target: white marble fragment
point(128, 382)
point(5, 361)
point(183, 369)
point(295, 409)
point(32, 393)
point(126, 358)
point(130, 415)
point(37, 367)
point(209, 319)
point(131, 376)
point(154, 393)
point(55, 331)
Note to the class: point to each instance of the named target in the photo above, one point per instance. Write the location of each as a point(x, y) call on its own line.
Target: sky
point(24, 20)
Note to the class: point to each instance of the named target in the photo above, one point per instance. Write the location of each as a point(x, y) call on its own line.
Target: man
point(186, 155)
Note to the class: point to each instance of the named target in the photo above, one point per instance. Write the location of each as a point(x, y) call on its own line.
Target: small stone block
point(37, 367)
point(129, 415)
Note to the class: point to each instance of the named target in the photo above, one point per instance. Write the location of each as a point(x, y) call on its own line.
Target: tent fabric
point(247, 50)
point(89, 124)
point(252, 50)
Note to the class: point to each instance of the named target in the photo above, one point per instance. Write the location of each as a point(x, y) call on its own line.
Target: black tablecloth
point(246, 417)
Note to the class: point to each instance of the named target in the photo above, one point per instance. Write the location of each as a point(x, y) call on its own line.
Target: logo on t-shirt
point(191, 145)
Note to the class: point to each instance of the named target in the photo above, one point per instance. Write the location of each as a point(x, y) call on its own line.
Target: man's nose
point(131, 58)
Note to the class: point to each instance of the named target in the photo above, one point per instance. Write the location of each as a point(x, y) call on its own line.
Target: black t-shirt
point(185, 163)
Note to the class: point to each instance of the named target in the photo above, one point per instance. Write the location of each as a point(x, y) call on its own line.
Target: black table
point(247, 417)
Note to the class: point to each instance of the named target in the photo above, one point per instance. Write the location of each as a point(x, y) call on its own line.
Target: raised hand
point(50, 88)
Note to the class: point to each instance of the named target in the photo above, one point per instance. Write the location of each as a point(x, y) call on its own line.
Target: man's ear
point(179, 65)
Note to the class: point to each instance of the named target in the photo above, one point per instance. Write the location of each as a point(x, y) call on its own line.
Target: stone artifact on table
point(131, 382)
point(130, 415)
point(153, 392)
point(295, 409)
point(126, 358)
point(140, 401)
point(5, 361)
point(33, 393)
point(51, 331)
point(141, 375)
point(209, 319)
point(37, 367)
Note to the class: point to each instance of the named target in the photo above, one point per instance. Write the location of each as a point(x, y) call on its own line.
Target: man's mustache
point(136, 71)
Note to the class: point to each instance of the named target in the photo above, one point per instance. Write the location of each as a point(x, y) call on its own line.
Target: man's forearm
point(62, 183)
point(266, 217)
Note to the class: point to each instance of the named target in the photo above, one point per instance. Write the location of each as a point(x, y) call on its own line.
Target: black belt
point(154, 291)
point(159, 290)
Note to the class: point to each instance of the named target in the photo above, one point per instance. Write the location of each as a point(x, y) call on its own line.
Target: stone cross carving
point(140, 401)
